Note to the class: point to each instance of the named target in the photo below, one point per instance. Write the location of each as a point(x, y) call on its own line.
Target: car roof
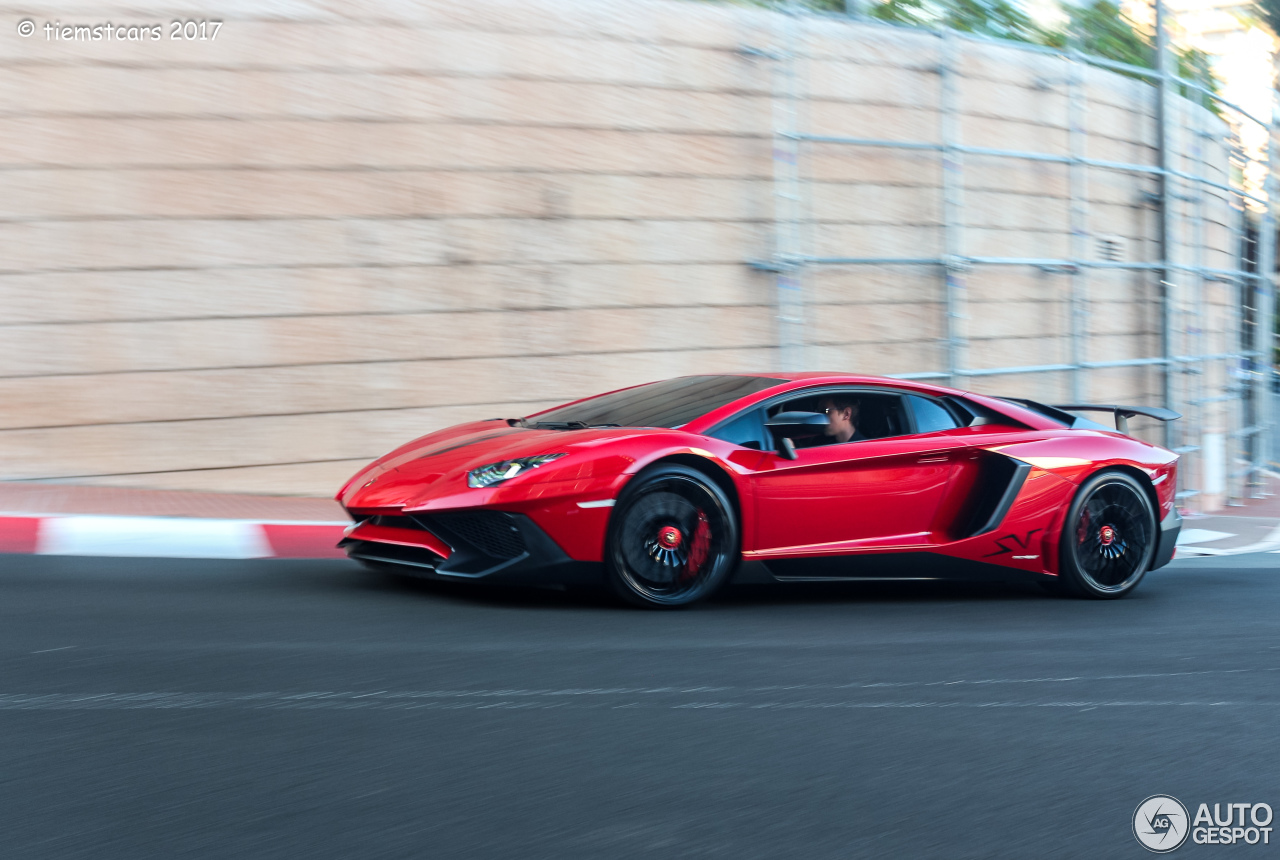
point(805, 379)
point(798, 381)
point(845, 378)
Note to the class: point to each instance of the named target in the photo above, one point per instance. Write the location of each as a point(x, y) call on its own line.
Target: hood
point(410, 472)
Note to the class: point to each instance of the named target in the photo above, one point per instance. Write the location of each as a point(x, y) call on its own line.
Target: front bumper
point(1170, 526)
point(494, 546)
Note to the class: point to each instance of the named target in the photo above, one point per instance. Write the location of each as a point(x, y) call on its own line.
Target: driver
point(842, 413)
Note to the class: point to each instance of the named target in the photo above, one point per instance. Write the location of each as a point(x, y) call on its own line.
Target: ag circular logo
point(1160, 823)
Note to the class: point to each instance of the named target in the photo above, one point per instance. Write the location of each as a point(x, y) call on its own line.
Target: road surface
point(160, 708)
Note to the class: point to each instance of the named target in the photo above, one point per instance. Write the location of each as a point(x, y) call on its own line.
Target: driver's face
point(841, 421)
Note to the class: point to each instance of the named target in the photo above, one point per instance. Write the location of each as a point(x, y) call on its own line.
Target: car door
point(860, 495)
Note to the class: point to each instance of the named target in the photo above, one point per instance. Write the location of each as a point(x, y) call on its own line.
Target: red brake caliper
point(1082, 530)
point(700, 548)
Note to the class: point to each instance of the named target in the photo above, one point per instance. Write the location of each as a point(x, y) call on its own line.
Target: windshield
point(671, 403)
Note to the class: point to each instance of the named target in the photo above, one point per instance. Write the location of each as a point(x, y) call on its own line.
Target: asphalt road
point(307, 709)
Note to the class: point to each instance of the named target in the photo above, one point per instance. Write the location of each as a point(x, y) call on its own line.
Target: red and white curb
point(168, 537)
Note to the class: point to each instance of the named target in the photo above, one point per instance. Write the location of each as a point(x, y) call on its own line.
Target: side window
point(871, 415)
point(930, 416)
point(747, 430)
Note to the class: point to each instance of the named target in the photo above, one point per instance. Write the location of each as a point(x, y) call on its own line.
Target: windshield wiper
point(561, 425)
point(570, 425)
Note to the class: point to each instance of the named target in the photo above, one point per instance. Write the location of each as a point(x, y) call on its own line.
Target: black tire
point(673, 538)
point(1109, 537)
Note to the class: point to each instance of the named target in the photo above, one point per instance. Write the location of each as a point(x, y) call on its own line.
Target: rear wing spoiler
point(1124, 413)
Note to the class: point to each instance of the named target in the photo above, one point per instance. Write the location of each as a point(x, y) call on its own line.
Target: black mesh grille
point(491, 532)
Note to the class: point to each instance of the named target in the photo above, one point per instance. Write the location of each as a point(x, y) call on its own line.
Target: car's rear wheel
point(1109, 537)
point(673, 538)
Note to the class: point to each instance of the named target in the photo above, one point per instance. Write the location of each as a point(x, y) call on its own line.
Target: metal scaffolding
point(1241, 452)
point(788, 203)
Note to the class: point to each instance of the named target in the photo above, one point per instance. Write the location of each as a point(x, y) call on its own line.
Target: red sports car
point(668, 490)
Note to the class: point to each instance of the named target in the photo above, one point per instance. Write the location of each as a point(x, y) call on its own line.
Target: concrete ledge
point(168, 537)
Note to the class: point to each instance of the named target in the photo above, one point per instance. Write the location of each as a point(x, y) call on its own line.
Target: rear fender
point(1084, 453)
point(1025, 538)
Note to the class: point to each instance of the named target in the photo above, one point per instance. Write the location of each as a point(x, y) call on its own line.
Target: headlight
point(496, 473)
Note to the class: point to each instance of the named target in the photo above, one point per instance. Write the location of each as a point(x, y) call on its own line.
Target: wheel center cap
point(669, 537)
point(1107, 535)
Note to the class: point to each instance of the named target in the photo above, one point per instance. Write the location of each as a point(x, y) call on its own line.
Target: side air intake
point(1000, 479)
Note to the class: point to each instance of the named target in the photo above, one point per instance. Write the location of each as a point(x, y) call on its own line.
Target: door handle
point(937, 459)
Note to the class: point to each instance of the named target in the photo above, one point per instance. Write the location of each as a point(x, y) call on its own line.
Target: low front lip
point(538, 559)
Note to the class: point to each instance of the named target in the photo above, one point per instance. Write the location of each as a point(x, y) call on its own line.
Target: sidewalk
point(63, 519)
point(1253, 526)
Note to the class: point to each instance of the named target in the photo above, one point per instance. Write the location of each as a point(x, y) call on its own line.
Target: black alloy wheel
point(673, 538)
point(1109, 537)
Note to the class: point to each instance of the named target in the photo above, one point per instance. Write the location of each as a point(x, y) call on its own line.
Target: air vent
point(1111, 249)
point(491, 532)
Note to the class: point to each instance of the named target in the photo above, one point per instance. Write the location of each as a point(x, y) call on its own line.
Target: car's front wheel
point(673, 538)
point(1109, 537)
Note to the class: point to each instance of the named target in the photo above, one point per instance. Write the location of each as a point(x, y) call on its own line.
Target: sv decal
point(1022, 543)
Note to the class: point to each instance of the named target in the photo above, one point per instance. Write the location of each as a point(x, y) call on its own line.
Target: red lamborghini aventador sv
point(666, 491)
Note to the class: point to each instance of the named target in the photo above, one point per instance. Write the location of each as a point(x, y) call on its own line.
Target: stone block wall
point(256, 262)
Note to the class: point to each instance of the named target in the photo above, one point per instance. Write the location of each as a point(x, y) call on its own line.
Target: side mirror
point(796, 425)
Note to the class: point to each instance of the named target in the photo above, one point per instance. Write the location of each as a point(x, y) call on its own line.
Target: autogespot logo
point(1160, 823)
